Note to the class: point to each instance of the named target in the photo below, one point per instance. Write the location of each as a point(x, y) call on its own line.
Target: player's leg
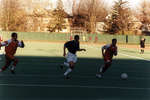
point(7, 63)
point(71, 59)
point(15, 61)
point(64, 64)
point(142, 50)
point(103, 68)
point(69, 70)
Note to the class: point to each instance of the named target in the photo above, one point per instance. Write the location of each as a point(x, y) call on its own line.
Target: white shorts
point(2, 51)
point(71, 57)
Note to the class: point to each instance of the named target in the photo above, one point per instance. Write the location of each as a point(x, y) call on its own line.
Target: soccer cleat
point(61, 66)
point(67, 77)
point(99, 76)
point(12, 71)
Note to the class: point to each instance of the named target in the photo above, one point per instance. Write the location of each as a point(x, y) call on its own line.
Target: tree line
point(119, 18)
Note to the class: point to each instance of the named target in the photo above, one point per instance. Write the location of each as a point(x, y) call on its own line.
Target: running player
point(10, 50)
point(71, 57)
point(108, 51)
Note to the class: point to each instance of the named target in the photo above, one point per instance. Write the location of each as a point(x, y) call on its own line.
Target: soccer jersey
point(11, 46)
point(110, 50)
point(142, 43)
point(72, 46)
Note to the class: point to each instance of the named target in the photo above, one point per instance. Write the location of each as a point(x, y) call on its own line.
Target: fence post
point(126, 39)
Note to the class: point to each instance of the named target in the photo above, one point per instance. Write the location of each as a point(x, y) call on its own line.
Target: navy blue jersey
point(72, 46)
point(142, 43)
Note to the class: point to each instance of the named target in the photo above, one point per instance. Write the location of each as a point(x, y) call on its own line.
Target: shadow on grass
point(40, 78)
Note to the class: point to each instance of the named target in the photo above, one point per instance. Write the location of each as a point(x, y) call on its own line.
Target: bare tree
point(13, 16)
point(92, 11)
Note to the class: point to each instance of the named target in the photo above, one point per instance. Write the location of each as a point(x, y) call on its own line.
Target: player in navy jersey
point(71, 57)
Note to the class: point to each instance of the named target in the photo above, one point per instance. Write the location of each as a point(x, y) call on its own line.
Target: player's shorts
point(142, 46)
point(71, 57)
point(107, 59)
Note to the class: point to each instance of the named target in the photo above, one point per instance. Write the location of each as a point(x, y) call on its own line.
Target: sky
point(132, 3)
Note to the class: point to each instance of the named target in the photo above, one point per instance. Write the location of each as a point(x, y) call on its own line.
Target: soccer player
point(1, 40)
point(10, 50)
point(142, 45)
point(108, 51)
point(71, 57)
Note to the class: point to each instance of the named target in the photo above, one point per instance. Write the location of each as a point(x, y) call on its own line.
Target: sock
point(13, 68)
point(66, 64)
point(101, 69)
point(67, 71)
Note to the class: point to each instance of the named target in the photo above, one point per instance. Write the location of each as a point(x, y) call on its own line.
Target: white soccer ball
point(124, 76)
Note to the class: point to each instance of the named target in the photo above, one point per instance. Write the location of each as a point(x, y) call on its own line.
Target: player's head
point(76, 37)
point(14, 36)
point(114, 41)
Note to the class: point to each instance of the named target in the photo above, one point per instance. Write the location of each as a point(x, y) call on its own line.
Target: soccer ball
point(124, 76)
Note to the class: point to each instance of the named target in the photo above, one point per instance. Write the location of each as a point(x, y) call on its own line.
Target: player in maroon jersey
point(108, 51)
point(10, 50)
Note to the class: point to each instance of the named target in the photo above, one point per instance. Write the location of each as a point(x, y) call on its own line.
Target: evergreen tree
point(119, 19)
point(57, 23)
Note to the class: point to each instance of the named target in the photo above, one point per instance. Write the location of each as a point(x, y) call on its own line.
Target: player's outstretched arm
point(22, 43)
point(116, 52)
point(64, 51)
point(82, 50)
point(102, 49)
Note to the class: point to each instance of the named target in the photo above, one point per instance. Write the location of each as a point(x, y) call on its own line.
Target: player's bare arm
point(64, 53)
point(103, 49)
point(116, 53)
point(82, 50)
point(22, 43)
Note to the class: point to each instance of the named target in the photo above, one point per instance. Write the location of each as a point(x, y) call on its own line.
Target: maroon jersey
point(110, 51)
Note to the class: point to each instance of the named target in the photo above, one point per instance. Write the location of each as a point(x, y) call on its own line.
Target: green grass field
point(38, 76)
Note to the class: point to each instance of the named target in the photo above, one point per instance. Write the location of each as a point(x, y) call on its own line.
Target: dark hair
point(76, 37)
point(13, 34)
point(114, 39)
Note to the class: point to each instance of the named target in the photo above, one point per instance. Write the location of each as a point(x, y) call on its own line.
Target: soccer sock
point(106, 66)
point(101, 69)
point(15, 62)
point(66, 64)
point(13, 67)
point(67, 71)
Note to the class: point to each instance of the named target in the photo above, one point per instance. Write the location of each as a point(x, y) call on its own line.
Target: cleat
point(12, 71)
point(99, 76)
point(61, 66)
point(67, 77)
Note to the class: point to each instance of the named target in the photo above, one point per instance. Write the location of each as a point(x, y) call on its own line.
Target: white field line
point(73, 86)
point(134, 57)
point(123, 54)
